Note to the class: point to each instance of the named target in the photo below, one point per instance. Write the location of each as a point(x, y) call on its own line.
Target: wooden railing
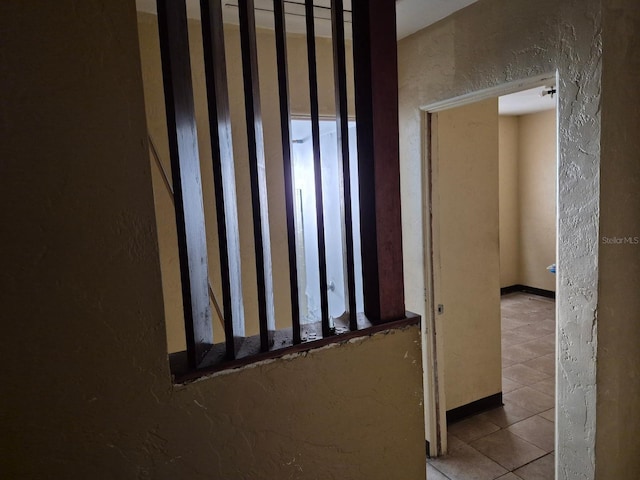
point(375, 72)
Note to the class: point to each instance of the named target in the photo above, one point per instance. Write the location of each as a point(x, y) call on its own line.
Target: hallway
point(515, 441)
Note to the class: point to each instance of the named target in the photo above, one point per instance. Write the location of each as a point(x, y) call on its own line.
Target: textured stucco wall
point(618, 419)
point(86, 391)
point(487, 44)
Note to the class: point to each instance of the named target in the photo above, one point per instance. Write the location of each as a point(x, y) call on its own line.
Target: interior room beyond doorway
point(511, 187)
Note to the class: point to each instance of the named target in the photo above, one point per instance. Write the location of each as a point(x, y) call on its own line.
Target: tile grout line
point(534, 326)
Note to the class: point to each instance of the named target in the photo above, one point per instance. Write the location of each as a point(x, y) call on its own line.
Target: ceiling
point(412, 15)
point(527, 101)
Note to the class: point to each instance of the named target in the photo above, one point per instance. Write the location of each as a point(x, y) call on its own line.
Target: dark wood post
point(185, 171)
point(289, 193)
point(317, 165)
point(257, 172)
point(224, 177)
point(376, 95)
point(342, 129)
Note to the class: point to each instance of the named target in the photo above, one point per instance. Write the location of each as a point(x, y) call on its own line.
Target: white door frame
point(432, 345)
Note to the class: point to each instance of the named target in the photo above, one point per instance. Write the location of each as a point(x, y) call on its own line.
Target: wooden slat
point(315, 135)
point(342, 121)
point(223, 172)
point(285, 128)
point(169, 188)
point(185, 169)
point(376, 94)
point(257, 173)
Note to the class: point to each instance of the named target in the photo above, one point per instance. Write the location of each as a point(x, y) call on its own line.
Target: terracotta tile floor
point(514, 442)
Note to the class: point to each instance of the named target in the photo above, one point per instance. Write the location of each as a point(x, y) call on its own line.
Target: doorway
point(472, 251)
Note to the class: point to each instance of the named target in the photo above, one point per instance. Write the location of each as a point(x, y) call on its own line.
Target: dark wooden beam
point(376, 95)
point(317, 165)
point(289, 194)
point(342, 120)
point(224, 177)
point(185, 170)
point(255, 142)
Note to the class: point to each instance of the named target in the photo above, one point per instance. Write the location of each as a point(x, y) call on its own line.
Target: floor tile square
point(506, 415)
point(541, 469)
point(511, 442)
point(519, 353)
point(545, 364)
point(472, 428)
point(549, 339)
point(434, 474)
point(507, 362)
point(509, 385)
point(534, 329)
point(454, 443)
point(515, 337)
point(537, 431)
point(523, 374)
point(519, 335)
point(539, 346)
point(466, 463)
point(530, 399)
point(546, 386)
point(549, 414)
point(512, 321)
point(507, 449)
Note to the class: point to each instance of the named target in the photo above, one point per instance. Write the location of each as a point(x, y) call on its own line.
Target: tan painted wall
point(490, 43)
point(528, 199)
point(537, 198)
point(466, 236)
point(86, 391)
point(618, 420)
point(509, 201)
point(156, 120)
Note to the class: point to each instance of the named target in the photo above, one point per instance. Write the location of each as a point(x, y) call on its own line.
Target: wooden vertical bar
point(224, 177)
point(167, 184)
point(317, 163)
point(257, 172)
point(376, 95)
point(342, 121)
point(187, 185)
point(285, 128)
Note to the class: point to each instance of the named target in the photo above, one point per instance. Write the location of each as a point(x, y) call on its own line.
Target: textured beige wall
point(618, 420)
point(466, 235)
point(86, 390)
point(537, 198)
point(490, 43)
point(509, 202)
point(156, 120)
